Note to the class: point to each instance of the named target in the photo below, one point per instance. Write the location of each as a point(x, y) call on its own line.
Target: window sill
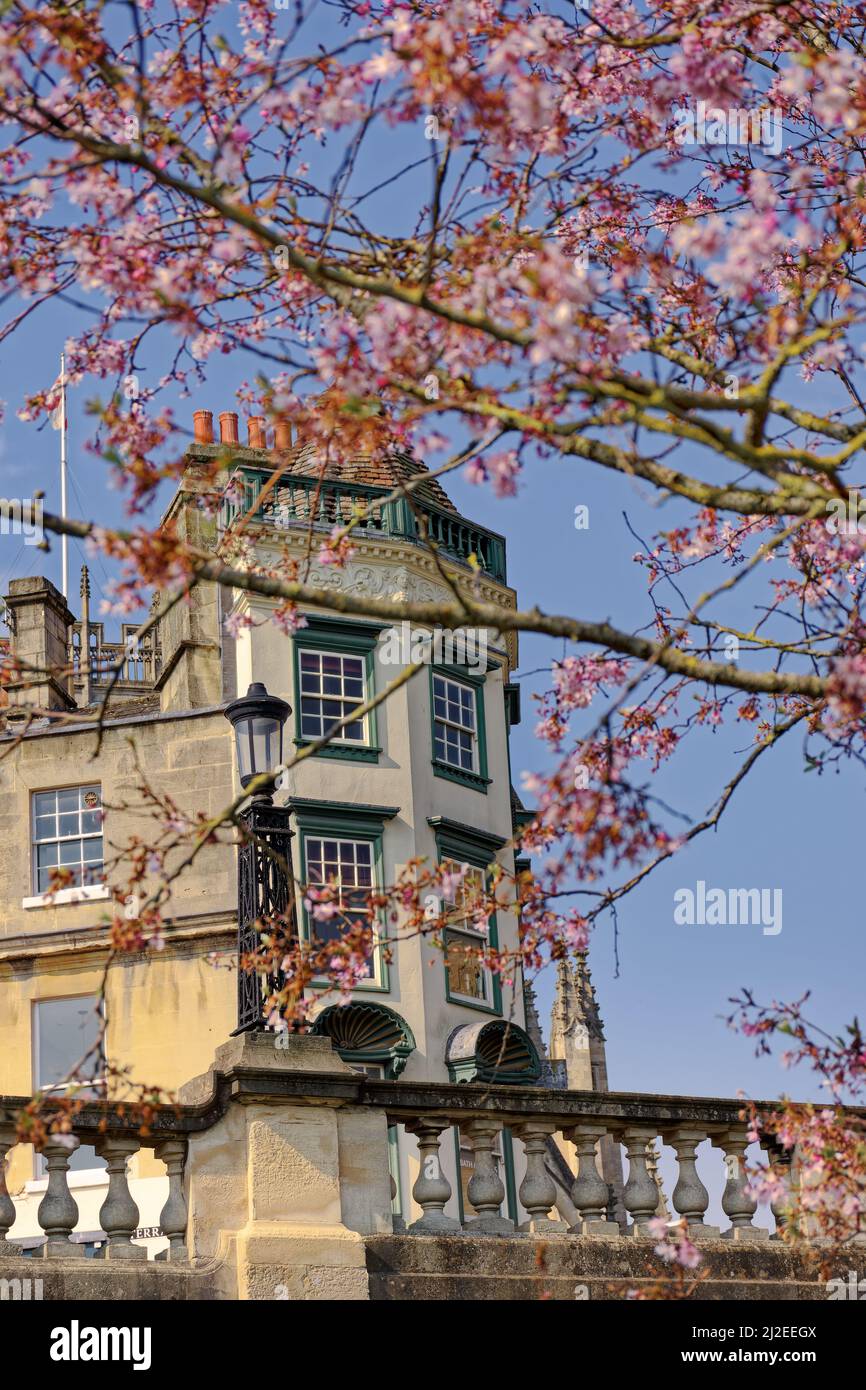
point(362, 987)
point(87, 893)
point(82, 1177)
point(477, 1005)
point(344, 752)
point(461, 777)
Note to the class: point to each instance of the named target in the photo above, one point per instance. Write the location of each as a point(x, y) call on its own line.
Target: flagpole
point(64, 539)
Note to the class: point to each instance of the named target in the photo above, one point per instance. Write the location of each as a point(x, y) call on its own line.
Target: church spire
point(576, 1029)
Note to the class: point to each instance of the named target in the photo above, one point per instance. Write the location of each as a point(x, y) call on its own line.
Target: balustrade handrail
point(453, 534)
point(403, 1101)
point(140, 662)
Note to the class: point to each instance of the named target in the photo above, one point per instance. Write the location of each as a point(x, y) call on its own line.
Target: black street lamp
point(258, 720)
point(265, 879)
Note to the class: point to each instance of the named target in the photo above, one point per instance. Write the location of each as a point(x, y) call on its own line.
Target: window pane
point(65, 1030)
point(466, 973)
point(454, 706)
point(62, 818)
point(348, 865)
point(340, 678)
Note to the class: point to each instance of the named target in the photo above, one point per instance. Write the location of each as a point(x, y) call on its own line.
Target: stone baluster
point(589, 1192)
point(174, 1215)
point(58, 1210)
point(737, 1205)
point(690, 1197)
point(538, 1190)
point(7, 1206)
point(641, 1193)
point(486, 1191)
point(782, 1206)
point(431, 1190)
point(118, 1214)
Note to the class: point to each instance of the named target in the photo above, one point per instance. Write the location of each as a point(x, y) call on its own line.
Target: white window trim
point(45, 899)
point(80, 1177)
point(87, 892)
point(462, 728)
point(340, 736)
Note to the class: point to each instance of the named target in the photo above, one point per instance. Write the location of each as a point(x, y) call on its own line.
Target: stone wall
point(167, 1010)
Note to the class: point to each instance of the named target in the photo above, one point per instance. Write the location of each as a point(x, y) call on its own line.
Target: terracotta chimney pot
point(283, 433)
point(228, 427)
point(202, 424)
point(257, 425)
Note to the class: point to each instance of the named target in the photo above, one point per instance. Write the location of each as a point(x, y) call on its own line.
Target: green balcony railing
point(302, 501)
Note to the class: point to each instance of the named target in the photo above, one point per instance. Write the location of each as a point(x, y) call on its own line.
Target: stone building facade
point(427, 775)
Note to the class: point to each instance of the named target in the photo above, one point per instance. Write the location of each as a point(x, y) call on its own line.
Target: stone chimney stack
point(39, 620)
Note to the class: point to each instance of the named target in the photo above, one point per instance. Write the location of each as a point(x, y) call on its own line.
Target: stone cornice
point(372, 569)
point(56, 946)
point(404, 1101)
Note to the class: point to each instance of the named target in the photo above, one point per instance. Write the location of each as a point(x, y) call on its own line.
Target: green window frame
point(476, 778)
point(337, 637)
point(343, 821)
point(463, 844)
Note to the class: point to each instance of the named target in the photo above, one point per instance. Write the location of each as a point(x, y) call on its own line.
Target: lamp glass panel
point(242, 741)
point(266, 744)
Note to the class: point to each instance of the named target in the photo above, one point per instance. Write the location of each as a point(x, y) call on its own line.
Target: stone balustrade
point(531, 1115)
point(118, 1215)
point(590, 1194)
